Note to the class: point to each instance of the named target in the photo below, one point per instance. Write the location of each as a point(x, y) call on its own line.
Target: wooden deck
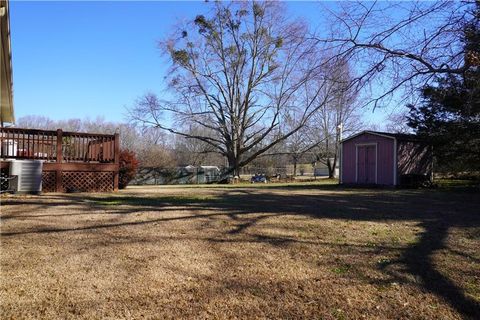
point(73, 161)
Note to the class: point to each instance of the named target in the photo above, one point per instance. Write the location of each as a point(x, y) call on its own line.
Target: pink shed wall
point(385, 158)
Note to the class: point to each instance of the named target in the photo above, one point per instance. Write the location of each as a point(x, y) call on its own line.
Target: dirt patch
point(239, 252)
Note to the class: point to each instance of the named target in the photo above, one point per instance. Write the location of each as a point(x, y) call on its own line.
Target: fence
point(180, 175)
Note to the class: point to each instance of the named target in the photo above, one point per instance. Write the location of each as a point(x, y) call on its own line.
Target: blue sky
point(89, 59)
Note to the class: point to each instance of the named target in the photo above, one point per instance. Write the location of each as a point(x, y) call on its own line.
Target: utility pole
point(339, 148)
point(340, 131)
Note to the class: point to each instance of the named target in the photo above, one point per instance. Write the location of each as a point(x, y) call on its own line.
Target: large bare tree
point(237, 73)
point(195, 152)
point(399, 47)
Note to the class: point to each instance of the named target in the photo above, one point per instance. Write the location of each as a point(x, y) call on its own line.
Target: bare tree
point(37, 122)
point(299, 144)
point(237, 73)
point(338, 111)
point(339, 116)
point(399, 47)
point(152, 147)
point(397, 122)
point(190, 151)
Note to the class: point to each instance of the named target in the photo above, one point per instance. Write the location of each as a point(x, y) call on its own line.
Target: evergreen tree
point(449, 115)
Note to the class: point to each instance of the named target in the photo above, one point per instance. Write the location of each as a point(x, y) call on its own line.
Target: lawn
point(275, 251)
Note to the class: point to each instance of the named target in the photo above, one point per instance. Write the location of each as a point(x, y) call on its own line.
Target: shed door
point(366, 164)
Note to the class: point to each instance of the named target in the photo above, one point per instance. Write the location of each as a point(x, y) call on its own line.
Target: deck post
point(58, 171)
point(117, 161)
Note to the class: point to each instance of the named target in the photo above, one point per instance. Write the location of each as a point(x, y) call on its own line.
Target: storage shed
point(381, 158)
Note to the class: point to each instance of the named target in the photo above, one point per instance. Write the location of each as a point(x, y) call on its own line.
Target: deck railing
point(58, 146)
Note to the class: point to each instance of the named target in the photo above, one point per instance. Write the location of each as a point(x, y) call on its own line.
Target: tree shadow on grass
point(435, 211)
point(418, 260)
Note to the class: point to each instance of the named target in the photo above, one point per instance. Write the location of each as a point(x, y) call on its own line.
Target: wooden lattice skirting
point(79, 181)
point(75, 177)
point(74, 181)
point(48, 181)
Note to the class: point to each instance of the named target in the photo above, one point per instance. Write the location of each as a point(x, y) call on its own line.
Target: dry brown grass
point(314, 252)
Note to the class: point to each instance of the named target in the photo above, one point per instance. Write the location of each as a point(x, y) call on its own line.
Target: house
point(44, 160)
point(381, 158)
point(6, 89)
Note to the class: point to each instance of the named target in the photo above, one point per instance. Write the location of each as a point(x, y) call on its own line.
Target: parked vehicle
point(258, 178)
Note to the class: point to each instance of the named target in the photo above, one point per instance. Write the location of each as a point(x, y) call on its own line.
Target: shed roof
point(398, 136)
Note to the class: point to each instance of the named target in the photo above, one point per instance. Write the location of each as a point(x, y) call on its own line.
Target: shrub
point(128, 168)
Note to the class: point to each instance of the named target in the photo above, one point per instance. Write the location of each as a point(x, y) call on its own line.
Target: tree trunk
point(294, 168)
point(233, 166)
point(331, 167)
